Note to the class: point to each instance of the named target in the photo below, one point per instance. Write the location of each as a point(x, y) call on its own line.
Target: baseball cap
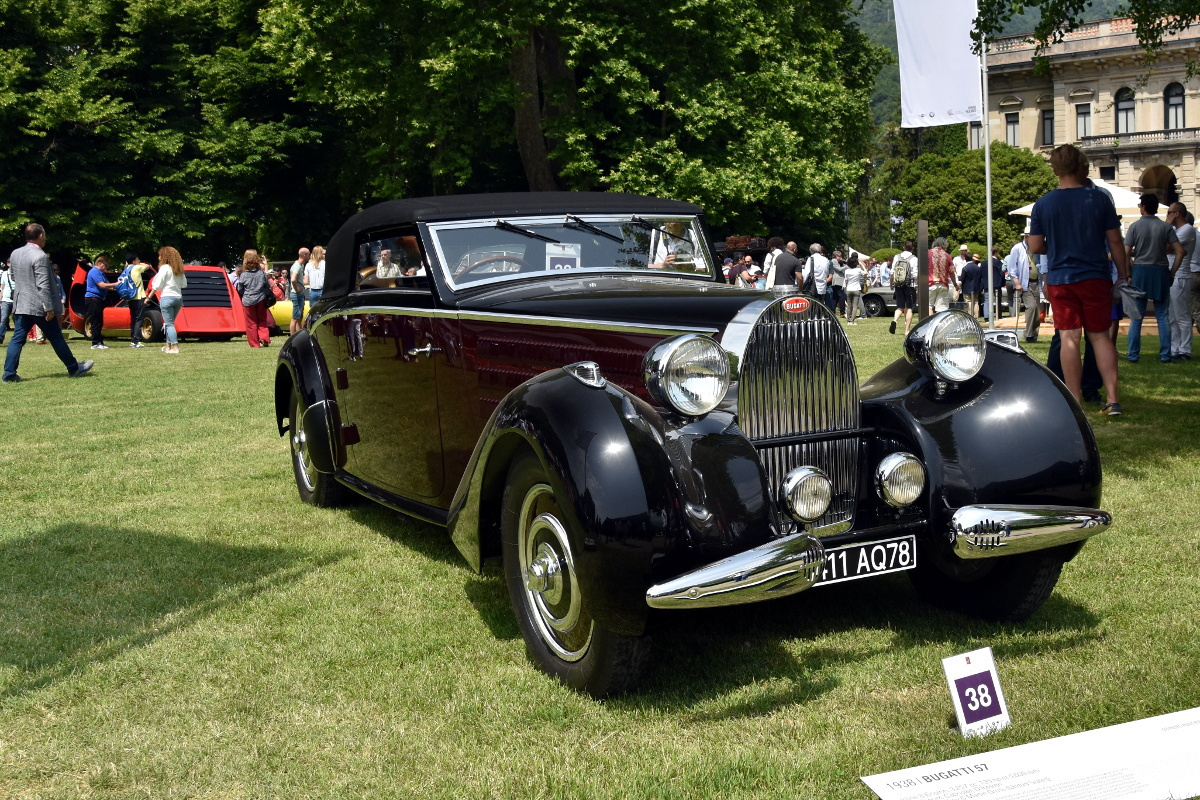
point(729, 261)
point(962, 247)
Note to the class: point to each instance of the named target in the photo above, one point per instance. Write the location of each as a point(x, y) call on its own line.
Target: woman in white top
point(314, 275)
point(170, 281)
point(855, 278)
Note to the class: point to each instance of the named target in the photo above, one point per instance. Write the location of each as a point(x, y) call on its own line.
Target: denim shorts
point(298, 304)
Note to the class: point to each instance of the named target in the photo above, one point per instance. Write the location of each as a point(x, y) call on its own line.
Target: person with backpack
point(131, 287)
point(904, 283)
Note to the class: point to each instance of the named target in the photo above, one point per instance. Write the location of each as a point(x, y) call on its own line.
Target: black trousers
point(94, 308)
point(135, 320)
point(1092, 382)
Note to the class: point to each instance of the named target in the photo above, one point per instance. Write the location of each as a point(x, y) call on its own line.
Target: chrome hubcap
point(548, 573)
point(300, 450)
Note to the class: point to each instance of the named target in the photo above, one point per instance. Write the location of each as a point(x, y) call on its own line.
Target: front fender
point(301, 368)
point(648, 496)
point(1011, 435)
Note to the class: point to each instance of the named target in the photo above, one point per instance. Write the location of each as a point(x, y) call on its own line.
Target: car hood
point(648, 300)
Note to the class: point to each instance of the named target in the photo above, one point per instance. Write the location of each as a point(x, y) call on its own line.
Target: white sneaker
point(99, 347)
point(136, 344)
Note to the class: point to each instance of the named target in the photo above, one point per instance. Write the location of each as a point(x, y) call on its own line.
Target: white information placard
point(975, 690)
point(563, 256)
point(1148, 759)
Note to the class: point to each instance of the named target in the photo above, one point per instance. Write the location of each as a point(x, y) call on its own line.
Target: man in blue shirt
point(1076, 224)
point(93, 300)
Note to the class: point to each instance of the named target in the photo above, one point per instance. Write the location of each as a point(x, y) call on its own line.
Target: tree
point(756, 109)
point(949, 192)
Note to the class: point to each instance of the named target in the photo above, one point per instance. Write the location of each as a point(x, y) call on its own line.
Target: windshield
point(499, 249)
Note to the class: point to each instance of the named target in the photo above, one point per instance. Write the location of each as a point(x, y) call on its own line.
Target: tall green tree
point(757, 109)
point(949, 192)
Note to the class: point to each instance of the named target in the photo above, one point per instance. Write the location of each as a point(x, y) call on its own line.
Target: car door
point(386, 377)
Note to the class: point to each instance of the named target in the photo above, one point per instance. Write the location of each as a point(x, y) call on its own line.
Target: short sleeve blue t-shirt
point(1075, 223)
point(95, 277)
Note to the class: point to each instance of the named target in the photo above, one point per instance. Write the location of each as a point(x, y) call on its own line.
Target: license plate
point(872, 558)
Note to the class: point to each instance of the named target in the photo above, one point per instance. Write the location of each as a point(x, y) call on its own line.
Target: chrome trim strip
point(1006, 339)
point(776, 569)
point(1001, 530)
point(490, 316)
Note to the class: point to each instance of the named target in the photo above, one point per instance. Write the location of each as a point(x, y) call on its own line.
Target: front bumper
point(775, 569)
point(1001, 530)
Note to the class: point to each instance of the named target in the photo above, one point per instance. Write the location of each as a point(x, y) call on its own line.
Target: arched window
point(1125, 110)
point(1173, 106)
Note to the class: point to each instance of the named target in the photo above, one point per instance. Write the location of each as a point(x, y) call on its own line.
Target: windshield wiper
point(646, 224)
point(508, 226)
point(576, 222)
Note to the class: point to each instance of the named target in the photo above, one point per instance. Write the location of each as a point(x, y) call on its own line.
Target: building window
point(1108, 174)
point(1173, 98)
point(1125, 111)
point(1083, 121)
point(1012, 129)
point(975, 136)
point(1048, 127)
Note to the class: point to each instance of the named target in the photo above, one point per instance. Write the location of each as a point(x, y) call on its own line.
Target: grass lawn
point(175, 623)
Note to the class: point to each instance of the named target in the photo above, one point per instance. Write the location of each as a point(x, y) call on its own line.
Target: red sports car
point(211, 307)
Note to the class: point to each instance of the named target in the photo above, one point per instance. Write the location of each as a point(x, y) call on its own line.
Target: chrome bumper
point(1001, 530)
point(776, 569)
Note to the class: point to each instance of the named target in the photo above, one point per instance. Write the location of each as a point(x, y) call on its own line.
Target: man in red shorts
point(1076, 225)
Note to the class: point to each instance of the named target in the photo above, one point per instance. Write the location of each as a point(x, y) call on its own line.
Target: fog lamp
point(900, 479)
point(806, 493)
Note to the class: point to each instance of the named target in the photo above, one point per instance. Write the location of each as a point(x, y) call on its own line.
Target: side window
point(391, 259)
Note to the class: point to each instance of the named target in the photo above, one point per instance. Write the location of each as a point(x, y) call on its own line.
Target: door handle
point(428, 350)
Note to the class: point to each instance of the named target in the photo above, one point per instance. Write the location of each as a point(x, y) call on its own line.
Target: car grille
point(797, 381)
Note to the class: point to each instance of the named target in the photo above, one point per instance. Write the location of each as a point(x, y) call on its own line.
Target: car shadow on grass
point(74, 595)
point(755, 659)
point(425, 538)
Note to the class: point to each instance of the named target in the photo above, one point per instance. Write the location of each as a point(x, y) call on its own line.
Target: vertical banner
point(939, 75)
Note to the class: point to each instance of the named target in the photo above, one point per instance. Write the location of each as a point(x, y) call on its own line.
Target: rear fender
point(301, 369)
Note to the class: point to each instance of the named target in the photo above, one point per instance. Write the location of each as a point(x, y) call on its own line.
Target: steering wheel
point(522, 264)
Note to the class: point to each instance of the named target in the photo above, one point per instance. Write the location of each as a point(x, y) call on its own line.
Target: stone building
point(1139, 126)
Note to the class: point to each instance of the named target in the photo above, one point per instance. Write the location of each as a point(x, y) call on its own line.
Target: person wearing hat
point(727, 271)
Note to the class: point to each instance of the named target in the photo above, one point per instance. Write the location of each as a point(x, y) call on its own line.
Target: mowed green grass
point(175, 623)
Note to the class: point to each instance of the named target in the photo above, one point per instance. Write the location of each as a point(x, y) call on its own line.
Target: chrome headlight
point(900, 479)
point(807, 493)
point(949, 343)
point(688, 373)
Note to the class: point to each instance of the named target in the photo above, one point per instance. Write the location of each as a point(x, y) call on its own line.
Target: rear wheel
point(561, 636)
point(874, 305)
point(316, 488)
point(1002, 589)
point(152, 326)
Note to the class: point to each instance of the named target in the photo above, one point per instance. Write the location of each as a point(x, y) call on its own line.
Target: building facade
point(1138, 124)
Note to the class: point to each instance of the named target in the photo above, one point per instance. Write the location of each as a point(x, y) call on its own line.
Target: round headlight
point(688, 373)
point(900, 479)
point(806, 493)
point(951, 343)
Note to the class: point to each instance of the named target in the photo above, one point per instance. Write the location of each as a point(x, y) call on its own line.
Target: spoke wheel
point(545, 587)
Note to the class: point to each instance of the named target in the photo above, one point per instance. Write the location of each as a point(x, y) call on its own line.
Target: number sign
point(975, 690)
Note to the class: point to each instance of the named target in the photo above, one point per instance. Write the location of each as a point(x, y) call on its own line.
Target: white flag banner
point(939, 75)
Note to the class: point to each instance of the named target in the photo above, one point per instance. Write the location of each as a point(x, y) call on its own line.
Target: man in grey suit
point(36, 301)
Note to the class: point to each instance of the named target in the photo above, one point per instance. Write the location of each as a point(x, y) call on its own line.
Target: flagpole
point(987, 180)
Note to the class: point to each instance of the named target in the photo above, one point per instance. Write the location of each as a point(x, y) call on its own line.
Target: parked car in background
point(562, 380)
point(211, 307)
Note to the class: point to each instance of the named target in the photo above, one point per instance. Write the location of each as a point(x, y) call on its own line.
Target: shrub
point(884, 253)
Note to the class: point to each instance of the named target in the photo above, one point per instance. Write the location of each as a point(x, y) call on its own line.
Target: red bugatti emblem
point(795, 305)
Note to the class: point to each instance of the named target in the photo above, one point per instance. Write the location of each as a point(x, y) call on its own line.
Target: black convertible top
point(339, 257)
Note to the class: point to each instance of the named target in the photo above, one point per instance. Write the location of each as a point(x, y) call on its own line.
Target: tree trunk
point(531, 144)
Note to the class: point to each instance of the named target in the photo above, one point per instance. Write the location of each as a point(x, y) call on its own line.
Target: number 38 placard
point(975, 690)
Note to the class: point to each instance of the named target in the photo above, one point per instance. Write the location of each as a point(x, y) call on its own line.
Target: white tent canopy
point(1125, 201)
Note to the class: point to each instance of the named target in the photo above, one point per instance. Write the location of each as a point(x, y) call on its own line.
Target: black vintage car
point(564, 381)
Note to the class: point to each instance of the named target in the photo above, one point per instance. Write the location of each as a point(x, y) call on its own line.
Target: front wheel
point(152, 326)
point(1001, 589)
point(562, 638)
point(316, 488)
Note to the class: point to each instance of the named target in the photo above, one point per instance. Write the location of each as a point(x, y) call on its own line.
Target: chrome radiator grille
point(797, 377)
